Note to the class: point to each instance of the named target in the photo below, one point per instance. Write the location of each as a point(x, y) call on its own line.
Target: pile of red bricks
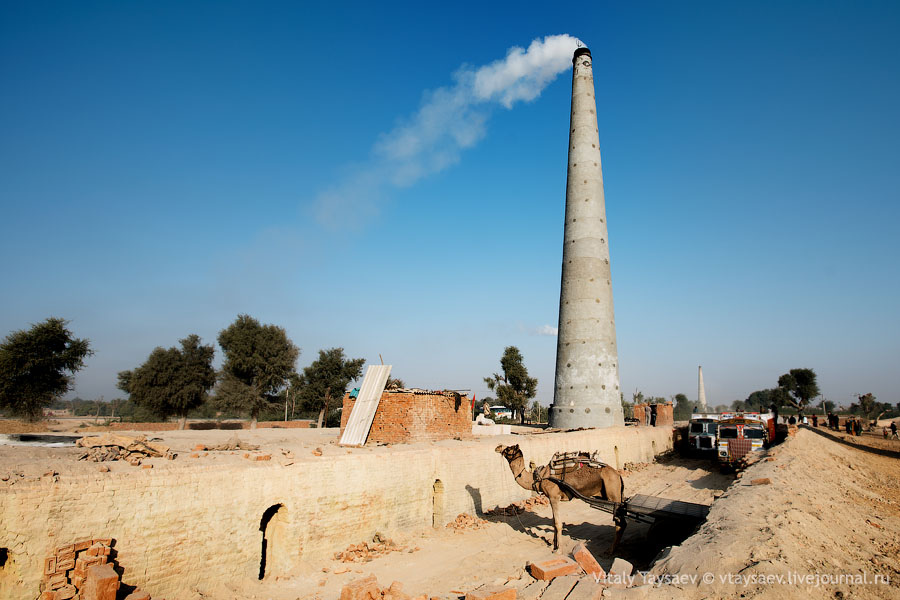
point(464, 521)
point(517, 508)
point(412, 416)
point(82, 571)
point(368, 589)
point(365, 551)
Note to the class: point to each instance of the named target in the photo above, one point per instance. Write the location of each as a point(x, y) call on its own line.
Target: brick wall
point(404, 417)
point(665, 415)
point(167, 520)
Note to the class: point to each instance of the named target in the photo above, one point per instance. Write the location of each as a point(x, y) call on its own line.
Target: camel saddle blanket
point(564, 463)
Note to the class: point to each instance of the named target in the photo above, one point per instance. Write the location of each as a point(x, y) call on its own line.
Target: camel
point(604, 482)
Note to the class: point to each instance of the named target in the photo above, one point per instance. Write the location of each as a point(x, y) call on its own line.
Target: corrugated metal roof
point(360, 421)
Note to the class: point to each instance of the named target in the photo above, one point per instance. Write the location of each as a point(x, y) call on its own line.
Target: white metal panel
point(363, 412)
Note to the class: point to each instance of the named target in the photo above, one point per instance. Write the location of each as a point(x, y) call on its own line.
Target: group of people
point(853, 426)
point(893, 428)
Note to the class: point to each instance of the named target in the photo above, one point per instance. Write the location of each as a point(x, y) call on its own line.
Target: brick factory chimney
point(701, 392)
point(586, 393)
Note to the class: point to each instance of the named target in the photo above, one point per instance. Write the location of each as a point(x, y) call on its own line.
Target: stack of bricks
point(412, 416)
point(66, 570)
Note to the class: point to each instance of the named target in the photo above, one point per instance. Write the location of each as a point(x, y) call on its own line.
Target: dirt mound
point(14, 426)
point(827, 527)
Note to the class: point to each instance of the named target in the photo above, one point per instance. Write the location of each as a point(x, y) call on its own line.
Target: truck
point(741, 433)
point(702, 432)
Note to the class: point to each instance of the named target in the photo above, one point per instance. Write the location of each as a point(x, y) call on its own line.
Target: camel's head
point(510, 453)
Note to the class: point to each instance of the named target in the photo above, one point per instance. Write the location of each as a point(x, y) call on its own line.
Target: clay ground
point(832, 508)
point(449, 561)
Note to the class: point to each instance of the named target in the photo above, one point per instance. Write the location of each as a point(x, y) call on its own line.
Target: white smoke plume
point(449, 120)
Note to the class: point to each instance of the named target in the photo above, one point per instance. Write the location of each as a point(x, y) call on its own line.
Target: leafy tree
point(684, 408)
point(798, 387)
point(259, 360)
point(394, 383)
point(514, 388)
point(172, 381)
point(325, 380)
point(38, 365)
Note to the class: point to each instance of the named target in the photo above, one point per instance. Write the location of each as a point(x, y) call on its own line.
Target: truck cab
point(702, 432)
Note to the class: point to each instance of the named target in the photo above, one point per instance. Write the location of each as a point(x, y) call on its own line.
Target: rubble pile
point(110, 446)
point(367, 551)
point(368, 589)
point(465, 521)
point(83, 569)
point(232, 445)
point(517, 508)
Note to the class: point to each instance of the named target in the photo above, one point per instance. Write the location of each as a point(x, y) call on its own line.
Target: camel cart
point(646, 509)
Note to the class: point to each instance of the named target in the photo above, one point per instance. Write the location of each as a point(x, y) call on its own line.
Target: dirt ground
point(827, 525)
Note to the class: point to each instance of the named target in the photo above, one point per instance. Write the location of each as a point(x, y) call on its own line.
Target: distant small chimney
point(701, 393)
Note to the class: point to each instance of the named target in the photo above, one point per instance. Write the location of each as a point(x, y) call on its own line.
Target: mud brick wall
point(665, 414)
point(165, 521)
point(404, 417)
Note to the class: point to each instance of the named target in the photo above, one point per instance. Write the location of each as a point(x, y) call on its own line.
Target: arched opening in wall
point(437, 504)
point(275, 555)
point(4, 556)
point(618, 464)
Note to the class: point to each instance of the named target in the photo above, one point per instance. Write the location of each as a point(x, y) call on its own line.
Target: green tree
point(798, 387)
point(514, 388)
point(324, 382)
point(37, 366)
point(259, 361)
point(684, 408)
point(172, 381)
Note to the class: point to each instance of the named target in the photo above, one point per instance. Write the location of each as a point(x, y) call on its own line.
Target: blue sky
point(162, 169)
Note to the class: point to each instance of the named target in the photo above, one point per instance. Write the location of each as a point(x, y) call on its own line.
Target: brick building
point(405, 416)
point(665, 415)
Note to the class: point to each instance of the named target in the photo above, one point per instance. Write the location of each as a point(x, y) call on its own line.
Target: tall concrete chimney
point(586, 393)
point(701, 393)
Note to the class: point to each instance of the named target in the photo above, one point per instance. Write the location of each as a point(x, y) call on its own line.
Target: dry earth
point(832, 510)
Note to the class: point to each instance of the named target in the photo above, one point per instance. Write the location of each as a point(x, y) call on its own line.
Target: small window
point(712, 428)
point(753, 434)
point(728, 433)
point(696, 427)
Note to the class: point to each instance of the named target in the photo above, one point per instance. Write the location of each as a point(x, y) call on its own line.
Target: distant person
point(884, 432)
point(857, 427)
point(815, 421)
point(774, 410)
point(894, 431)
point(792, 420)
point(848, 424)
point(653, 415)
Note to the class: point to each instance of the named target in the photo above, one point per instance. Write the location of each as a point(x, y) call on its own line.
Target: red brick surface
point(404, 417)
point(553, 567)
point(362, 589)
point(138, 595)
point(101, 583)
point(492, 592)
point(587, 561)
point(665, 414)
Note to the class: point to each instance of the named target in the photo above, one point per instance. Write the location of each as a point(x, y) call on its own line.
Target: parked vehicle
point(742, 433)
point(702, 432)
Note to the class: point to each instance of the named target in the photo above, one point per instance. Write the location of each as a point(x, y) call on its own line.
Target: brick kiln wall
point(404, 417)
point(166, 521)
point(665, 415)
